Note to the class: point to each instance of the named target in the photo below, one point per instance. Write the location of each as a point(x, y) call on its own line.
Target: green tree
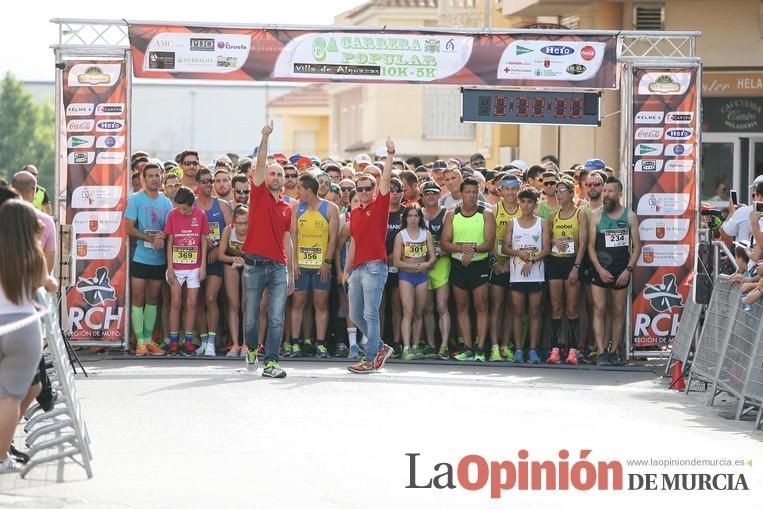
point(27, 133)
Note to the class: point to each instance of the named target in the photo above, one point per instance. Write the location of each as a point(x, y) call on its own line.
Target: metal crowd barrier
point(685, 337)
point(61, 432)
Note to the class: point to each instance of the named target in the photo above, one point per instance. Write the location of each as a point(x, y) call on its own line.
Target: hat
point(430, 186)
point(439, 165)
point(280, 158)
point(518, 163)
point(757, 181)
point(476, 157)
point(362, 159)
point(594, 164)
point(510, 181)
point(550, 176)
point(567, 182)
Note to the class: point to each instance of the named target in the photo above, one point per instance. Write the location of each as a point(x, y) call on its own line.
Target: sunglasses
point(395, 190)
point(291, 175)
point(429, 193)
point(206, 182)
point(191, 163)
point(549, 183)
point(346, 189)
point(242, 191)
point(560, 190)
point(594, 185)
point(171, 186)
point(366, 189)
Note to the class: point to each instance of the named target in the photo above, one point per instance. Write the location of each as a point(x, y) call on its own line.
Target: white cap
point(362, 158)
point(758, 180)
point(518, 163)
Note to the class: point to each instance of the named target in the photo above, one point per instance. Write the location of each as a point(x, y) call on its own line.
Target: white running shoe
point(9, 466)
point(209, 350)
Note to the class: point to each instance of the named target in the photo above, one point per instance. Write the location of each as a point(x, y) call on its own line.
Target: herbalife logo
point(521, 50)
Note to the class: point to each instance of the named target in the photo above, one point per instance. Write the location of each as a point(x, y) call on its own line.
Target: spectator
point(41, 201)
point(26, 185)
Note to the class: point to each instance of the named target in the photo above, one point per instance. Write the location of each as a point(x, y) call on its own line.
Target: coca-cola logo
point(587, 53)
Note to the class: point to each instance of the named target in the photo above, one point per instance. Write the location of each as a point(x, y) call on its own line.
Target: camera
point(759, 206)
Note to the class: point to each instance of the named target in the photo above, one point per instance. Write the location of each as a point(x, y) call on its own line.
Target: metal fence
point(685, 339)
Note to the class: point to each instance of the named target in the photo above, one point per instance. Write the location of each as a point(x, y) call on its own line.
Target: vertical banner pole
point(127, 185)
point(626, 165)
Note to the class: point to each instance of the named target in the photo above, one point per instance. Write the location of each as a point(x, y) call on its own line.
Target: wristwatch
point(576, 265)
point(629, 268)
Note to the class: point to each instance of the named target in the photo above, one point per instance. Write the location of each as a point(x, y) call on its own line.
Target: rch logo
point(97, 290)
point(664, 297)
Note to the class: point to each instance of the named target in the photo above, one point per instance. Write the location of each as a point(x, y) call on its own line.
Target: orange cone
point(677, 377)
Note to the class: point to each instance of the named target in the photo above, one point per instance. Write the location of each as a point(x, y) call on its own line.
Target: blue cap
point(594, 164)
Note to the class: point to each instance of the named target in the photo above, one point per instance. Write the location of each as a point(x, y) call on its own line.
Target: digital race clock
point(530, 107)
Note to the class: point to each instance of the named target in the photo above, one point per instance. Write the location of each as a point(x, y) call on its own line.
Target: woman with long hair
point(231, 254)
point(22, 272)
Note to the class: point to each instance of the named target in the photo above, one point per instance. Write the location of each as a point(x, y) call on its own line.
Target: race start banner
point(95, 108)
point(664, 179)
point(384, 56)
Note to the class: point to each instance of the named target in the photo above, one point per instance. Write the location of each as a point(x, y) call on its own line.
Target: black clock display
point(530, 107)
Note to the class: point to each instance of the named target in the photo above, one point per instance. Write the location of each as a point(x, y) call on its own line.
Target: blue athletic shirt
point(149, 215)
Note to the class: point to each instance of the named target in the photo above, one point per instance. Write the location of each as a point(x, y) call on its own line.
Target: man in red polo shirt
point(268, 259)
point(367, 259)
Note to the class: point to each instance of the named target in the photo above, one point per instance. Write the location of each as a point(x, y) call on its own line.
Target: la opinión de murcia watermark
point(566, 472)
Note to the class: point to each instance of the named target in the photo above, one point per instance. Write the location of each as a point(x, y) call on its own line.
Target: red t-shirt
point(187, 232)
point(268, 220)
point(368, 228)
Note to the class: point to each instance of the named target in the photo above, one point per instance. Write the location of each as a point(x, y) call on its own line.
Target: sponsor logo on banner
point(97, 222)
point(663, 255)
point(80, 126)
point(679, 165)
point(79, 109)
point(187, 52)
point(104, 126)
point(96, 197)
point(90, 75)
point(199, 44)
point(649, 133)
point(648, 149)
point(679, 134)
point(80, 141)
point(98, 248)
point(649, 165)
point(679, 117)
point(664, 296)
point(679, 149)
point(663, 204)
point(109, 109)
point(96, 290)
point(521, 50)
point(664, 83)
point(81, 157)
point(649, 117)
point(668, 229)
point(576, 69)
point(557, 50)
point(587, 53)
point(110, 158)
point(110, 142)
point(164, 60)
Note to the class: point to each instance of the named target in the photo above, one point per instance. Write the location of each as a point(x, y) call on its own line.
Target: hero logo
point(678, 134)
point(110, 142)
point(557, 50)
point(649, 133)
point(109, 109)
point(80, 126)
point(649, 117)
point(648, 149)
point(202, 44)
point(79, 109)
point(109, 126)
point(587, 53)
point(678, 149)
point(679, 117)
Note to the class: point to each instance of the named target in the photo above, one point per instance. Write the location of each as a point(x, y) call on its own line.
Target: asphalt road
point(190, 433)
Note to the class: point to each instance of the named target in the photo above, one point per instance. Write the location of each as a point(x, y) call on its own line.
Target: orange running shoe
point(554, 357)
point(154, 349)
point(572, 357)
point(141, 350)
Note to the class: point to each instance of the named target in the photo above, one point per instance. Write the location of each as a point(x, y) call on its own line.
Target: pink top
point(187, 232)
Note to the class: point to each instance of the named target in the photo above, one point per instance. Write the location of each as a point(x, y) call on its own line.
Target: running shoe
point(354, 352)
point(495, 354)
point(572, 357)
point(382, 356)
point(534, 359)
point(554, 358)
point(322, 352)
point(397, 351)
point(361, 367)
point(9, 465)
point(341, 350)
point(507, 354)
point(443, 354)
point(296, 351)
point(308, 348)
point(408, 354)
point(233, 352)
point(616, 359)
point(466, 355)
point(209, 350)
point(427, 351)
point(173, 348)
point(479, 356)
point(273, 370)
point(198, 351)
point(154, 349)
point(20, 457)
point(141, 350)
point(519, 357)
point(286, 350)
point(252, 364)
point(602, 360)
point(164, 345)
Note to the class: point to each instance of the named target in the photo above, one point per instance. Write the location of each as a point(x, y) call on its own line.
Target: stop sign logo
point(588, 53)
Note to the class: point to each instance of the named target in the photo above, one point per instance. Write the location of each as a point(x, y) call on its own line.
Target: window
point(442, 115)
point(649, 17)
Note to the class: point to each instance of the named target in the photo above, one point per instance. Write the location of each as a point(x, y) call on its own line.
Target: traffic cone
point(677, 377)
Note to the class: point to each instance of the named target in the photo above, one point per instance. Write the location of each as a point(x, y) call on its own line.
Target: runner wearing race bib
point(391, 298)
point(186, 229)
point(614, 246)
point(434, 216)
point(231, 253)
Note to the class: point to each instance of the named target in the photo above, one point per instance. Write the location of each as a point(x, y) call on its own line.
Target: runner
point(452, 179)
point(231, 254)
point(614, 246)
point(527, 243)
point(186, 228)
point(413, 255)
point(290, 184)
point(241, 190)
point(219, 215)
point(569, 238)
point(314, 231)
point(548, 204)
point(368, 260)
point(500, 321)
point(391, 298)
point(594, 183)
point(189, 162)
point(268, 261)
point(145, 218)
point(434, 216)
point(469, 235)
point(223, 189)
point(342, 250)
